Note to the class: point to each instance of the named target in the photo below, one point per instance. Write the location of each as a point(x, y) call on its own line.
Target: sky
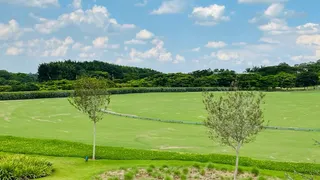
point(166, 35)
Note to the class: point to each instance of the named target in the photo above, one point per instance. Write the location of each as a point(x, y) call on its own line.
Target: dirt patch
point(172, 173)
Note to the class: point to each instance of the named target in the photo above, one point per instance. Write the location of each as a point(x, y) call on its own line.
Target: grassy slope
point(55, 118)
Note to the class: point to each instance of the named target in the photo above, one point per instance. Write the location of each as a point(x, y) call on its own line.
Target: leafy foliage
point(23, 167)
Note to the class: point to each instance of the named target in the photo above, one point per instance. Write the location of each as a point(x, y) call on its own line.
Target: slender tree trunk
point(237, 162)
point(94, 141)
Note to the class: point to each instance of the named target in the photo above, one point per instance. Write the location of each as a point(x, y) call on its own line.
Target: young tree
point(90, 96)
point(234, 118)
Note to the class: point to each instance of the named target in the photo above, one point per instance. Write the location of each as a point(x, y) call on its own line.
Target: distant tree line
point(61, 75)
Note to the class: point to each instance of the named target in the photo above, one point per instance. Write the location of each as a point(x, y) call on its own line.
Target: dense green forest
point(60, 76)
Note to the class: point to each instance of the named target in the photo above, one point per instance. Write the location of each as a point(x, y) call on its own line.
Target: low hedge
point(14, 167)
point(73, 149)
point(60, 94)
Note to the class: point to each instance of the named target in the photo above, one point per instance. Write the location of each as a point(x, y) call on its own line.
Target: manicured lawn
point(56, 119)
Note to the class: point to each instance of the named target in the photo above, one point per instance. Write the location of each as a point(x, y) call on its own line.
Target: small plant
point(185, 171)
point(197, 177)
point(240, 170)
point(161, 169)
point(168, 178)
point(196, 165)
point(262, 178)
point(160, 176)
point(165, 166)
point(123, 168)
point(210, 166)
point(177, 173)
point(202, 172)
point(154, 175)
point(113, 178)
point(149, 170)
point(152, 166)
point(255, 172)
point(128, 176)
point(183, 177)
point(224, 169)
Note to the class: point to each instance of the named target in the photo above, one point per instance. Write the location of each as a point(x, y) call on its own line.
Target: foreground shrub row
point(59, 94)
point(72, 149)
point(22, 167)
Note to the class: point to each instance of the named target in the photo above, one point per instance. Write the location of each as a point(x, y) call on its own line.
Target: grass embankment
point(71, 149)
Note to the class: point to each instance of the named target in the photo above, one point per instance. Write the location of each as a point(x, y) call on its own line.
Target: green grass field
point(56, 119)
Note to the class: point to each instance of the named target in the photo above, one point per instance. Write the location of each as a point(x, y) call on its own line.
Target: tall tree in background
point(90, 97)
point(234, 118)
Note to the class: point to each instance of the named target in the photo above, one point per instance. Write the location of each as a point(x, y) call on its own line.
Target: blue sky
point(166, 35)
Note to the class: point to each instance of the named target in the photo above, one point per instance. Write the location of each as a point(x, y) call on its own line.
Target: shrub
point(203, 172)
point(240, 170)
point(210, 166)
point(262, 178)
point(177, 173)
point(152, 166)
point(183, 177)
point(255, 171)
point(185, 171)
point(149, 170)
point(23, 167)
point(128, 176)
point(196, 165)
point(168, 178)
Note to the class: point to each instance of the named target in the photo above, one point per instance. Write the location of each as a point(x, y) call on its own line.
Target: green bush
point(183, 177)
point(128, 176)
point(210, 166)
point(185, 171)
point(73, 149)
point(255, 171)
point(23, 167)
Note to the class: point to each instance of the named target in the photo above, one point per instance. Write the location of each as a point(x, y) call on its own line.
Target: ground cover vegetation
point(61, 76)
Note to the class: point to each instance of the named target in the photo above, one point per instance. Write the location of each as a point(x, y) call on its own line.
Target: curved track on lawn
point(200, 123)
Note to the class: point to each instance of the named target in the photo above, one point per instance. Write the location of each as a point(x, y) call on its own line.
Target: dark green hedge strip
point(59, 94)
point(73, 149)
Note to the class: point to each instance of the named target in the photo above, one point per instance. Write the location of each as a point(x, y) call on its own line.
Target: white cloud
point(87, 55)
point(304, 58)
point(217, 44)
point(178, 59)
point(225, 56)
point(142, 3)
point(10, 30)
point(275, 26)
point(86, 48)
point(77, 45)
point(308, 28)
point(144, 34)
point(76, 4)
point(14, 51)
point(274, 10)
point(309, 40)
point(100, 42)
point(158, 52)
point(135, 41)
point(269, 40)
point(33, 3)
point(196, 49)
point(239, 44)
point(98, 17)
point(261, 1)
point(170, 7)
point(209, 16)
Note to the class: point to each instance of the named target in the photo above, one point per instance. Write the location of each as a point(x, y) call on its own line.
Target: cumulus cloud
point(308, 28)
point(261, 1)
point(10, 30)
point(135, 41)
point(274, 10)
point(275, 26)
point(215, 44)
point(33, 3)
point(76, 4)
point(197, 49)
point(309, 40)
point(210, 15)
point(142, 3)
point(225, 56)
point(178, 59)
point(14, 51)
point(269, 40)
point(170, 7)
point(98, 17)
point(100, 42)
point(144, 34)
point(239, 44)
